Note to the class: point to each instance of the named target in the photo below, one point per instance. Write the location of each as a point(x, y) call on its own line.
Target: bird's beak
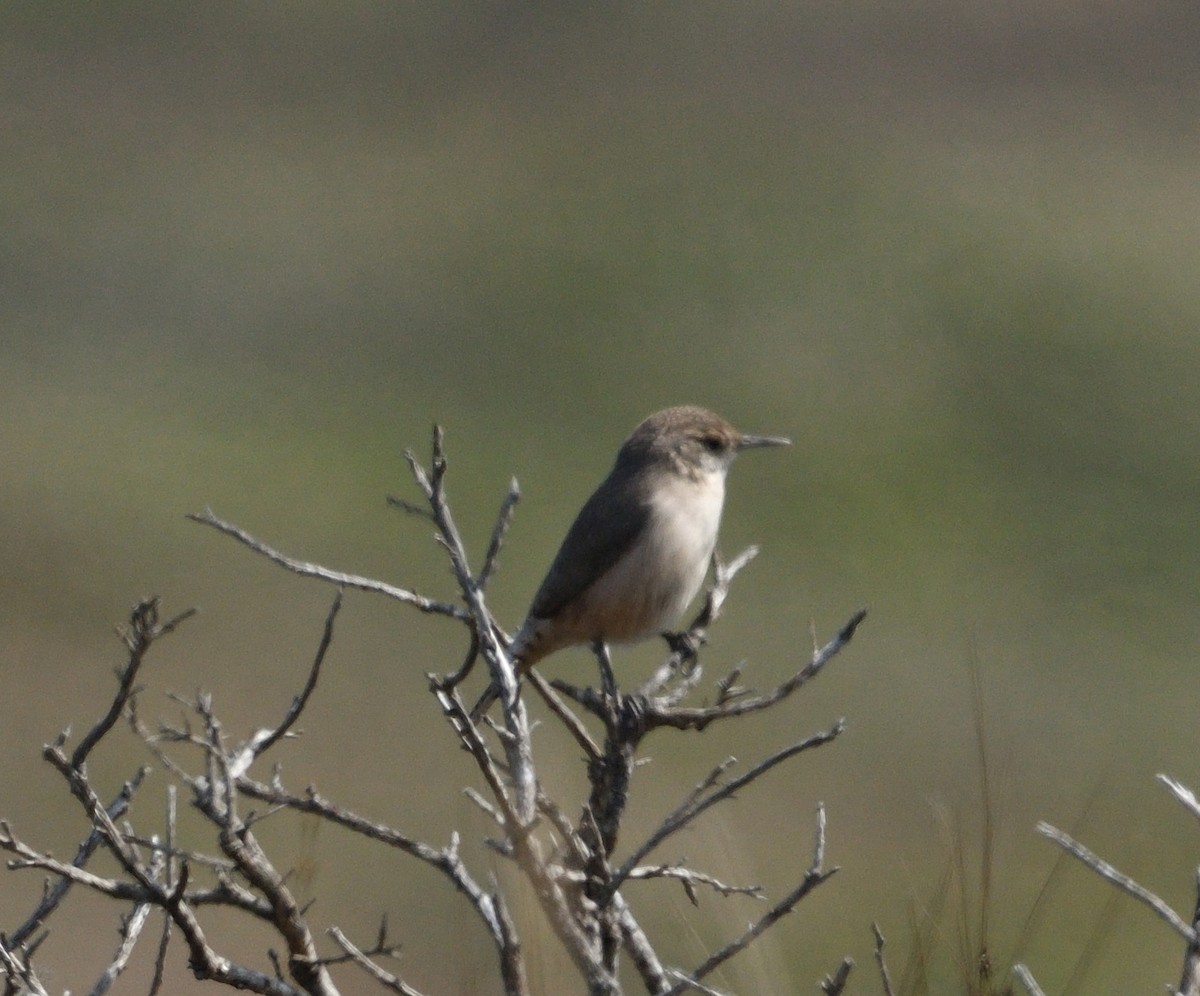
point(750, 442)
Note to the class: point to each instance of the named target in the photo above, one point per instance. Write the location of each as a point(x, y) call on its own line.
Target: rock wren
point(639, 549)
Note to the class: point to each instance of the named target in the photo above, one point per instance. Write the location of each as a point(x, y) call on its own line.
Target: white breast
point(647, 590)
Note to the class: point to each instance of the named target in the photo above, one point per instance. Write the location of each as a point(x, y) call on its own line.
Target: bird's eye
point(711, 443)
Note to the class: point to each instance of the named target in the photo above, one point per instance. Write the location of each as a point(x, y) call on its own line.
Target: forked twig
point(815, 876)
point(696, 803)
point(391, 982)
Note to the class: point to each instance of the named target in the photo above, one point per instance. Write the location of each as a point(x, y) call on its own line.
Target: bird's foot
point(686, 645)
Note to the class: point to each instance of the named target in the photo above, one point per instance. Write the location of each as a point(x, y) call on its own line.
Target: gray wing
point(607, 525)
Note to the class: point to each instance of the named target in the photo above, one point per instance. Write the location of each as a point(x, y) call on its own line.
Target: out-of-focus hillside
point(250, 252)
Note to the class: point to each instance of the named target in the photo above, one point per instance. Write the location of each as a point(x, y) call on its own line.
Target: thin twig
point(698, 718)
point(815, 876)
point(446, 860)
point(144, 629)
point(456, 678)
point(261, 743)
point(54, 895)
point(517, 744)
point(1119, 879)
point(884, 974)
point(311, 570)
point(691, 985)
point(1189, 983)
point(496, 543)
point(131, 930)
point(565, 716)
point(694, 805)
point(691, 878)
point(385, 978)
point(15, 963)
point(834, 985)
point(1183, 794)
point(412, 508)
point(470, 738)
point(1025, 977)
point(28, 857)
point(170, 880)
point(710, 612)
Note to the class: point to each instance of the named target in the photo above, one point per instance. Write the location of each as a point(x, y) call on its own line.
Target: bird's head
point(690, 440)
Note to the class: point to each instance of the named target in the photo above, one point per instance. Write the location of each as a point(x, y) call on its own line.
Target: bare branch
point(496, 543)
point(815, 876)
point(710, 612)
point(241, 846)
point(692, 985)
point(512, 958)
point(14, 961)
point(144, 629)
point(884, 975)
point(432, 486)
point(1120, 880)
point(517, 745)
point(1184, 795)
point(470, 738)
point(1025, 977)
point(28, 857)
point(834, 985)
point(565, 716)
point(698, 718)
point(307, 569)
point(637, 944)
point(696, 804)
point(57, 893)
point(1189, 984)
point(445, 860)
point(265, 739)
point(171, 882)
point(692, 878)
point(205, 962)
point(131, 930)
point(387, 979)
point(456, 678)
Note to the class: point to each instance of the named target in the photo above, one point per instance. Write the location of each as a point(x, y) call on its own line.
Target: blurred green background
point(252, 251)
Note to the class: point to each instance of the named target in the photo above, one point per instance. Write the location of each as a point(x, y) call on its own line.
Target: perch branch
point(696, 633)
point(697, 718)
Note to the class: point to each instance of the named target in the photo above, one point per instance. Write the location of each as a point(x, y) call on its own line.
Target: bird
point(640, 547)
